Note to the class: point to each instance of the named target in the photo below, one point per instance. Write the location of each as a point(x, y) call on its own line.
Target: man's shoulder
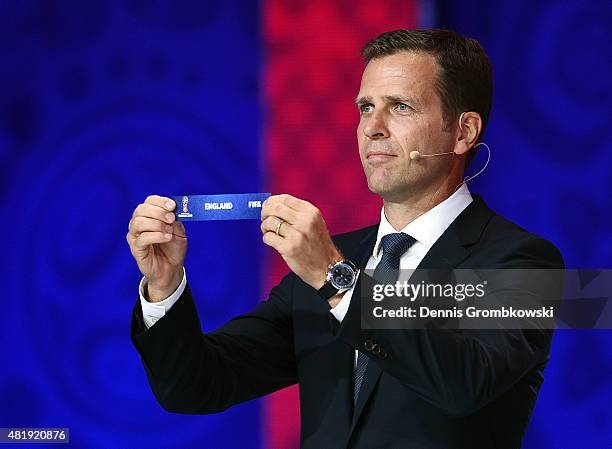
point(503, 235)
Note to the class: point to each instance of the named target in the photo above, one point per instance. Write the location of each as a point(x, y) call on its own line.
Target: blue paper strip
point(237, 206)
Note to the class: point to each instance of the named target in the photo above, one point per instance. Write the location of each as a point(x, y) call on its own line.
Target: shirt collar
point(428, 227)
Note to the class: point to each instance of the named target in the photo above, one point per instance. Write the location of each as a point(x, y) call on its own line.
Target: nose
point(375, 126)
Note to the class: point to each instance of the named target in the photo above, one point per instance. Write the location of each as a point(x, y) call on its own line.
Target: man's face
point(400, 112)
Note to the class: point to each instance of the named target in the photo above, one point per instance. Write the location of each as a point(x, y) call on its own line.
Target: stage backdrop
point(105, 102)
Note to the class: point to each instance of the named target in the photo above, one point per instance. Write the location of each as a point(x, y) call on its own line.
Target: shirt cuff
point(153, 311)
point(342, 307)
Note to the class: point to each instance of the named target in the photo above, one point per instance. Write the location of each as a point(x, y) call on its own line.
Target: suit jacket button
point(368, 345)
point(376, 349)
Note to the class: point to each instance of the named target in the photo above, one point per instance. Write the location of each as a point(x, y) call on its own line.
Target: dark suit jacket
point(434, 389)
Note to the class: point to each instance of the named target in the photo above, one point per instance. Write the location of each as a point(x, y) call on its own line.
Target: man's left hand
point(302, 240)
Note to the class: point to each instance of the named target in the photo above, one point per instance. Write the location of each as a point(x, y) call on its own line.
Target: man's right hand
point(158, 243)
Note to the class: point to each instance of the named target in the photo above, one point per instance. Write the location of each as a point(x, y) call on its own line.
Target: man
point(425, 91)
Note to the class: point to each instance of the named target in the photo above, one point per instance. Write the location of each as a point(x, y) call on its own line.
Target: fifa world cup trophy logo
point(185, 202)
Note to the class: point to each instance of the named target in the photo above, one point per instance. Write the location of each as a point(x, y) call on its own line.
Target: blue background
point(551, 172)
point(105, 102)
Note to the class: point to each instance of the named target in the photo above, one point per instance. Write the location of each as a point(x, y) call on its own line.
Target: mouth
point(376, 158)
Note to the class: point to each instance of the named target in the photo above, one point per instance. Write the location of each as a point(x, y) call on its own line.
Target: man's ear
point(467, 132)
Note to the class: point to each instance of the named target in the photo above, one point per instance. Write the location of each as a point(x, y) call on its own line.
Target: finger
point(273, 240)
point(138, 225)
point(161, 201)
point(286, 199)
point(280, 210)
point(152, 211)
point(294, 202)
point(271, 223)
point(149, 238)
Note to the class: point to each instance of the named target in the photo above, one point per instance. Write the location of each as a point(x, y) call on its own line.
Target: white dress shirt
point(426, 229)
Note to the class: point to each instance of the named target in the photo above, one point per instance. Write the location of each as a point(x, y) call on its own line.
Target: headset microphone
point(417, 154)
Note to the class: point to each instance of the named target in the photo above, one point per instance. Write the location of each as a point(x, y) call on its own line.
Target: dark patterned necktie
point(387, 271)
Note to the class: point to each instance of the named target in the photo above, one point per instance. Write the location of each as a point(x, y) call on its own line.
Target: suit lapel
point(370, 379)
point(448, 252)
point(365, 247)
point(373, 371)
point(450, 249)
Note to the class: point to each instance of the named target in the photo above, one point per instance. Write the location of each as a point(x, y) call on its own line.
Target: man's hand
point(158, 243)
point(303, 239)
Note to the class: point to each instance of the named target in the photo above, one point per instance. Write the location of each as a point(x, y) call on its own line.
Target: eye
point(403, 107)
point(365, 108)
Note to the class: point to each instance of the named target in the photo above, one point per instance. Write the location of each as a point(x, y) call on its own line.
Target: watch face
point(342, 276)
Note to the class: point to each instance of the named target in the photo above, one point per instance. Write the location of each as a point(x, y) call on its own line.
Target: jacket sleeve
point(191, 372)
point(459, 370)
